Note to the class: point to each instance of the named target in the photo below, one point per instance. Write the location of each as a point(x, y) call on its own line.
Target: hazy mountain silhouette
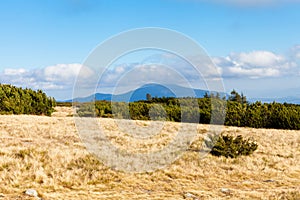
point(155, 90)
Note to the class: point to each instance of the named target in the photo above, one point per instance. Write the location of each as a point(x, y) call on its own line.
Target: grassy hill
point(46, 154)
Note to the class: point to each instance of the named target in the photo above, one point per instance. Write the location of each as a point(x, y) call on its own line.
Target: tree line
point(15, 100)
point(234, 110)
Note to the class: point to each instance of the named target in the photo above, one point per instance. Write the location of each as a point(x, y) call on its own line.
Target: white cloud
point(66, 72)
point(255, 73)
point(256, 64)
point(258, 59)
point(295, 50)
point(162, 68)
point(137, 74)
point(61, 76)
point(13, 72)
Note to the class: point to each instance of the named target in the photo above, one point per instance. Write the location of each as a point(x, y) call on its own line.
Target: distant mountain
point(292, 100)
point(155, 90)
point(97, 96)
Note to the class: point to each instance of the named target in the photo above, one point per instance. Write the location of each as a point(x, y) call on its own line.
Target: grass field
point(46, 154)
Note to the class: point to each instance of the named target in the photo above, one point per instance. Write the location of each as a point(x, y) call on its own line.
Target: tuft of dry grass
point(46, 154)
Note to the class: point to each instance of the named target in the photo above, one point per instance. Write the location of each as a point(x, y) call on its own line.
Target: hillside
point(46, 154)
point(156, 90)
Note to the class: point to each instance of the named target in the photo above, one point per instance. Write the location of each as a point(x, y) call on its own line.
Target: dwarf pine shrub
point(230, 147)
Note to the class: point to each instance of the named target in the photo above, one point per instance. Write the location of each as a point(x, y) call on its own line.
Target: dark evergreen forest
point(212, 108)
point(233, 111)
point(15, 100)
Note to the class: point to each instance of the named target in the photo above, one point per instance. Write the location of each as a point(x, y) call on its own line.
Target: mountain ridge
point(155, 90)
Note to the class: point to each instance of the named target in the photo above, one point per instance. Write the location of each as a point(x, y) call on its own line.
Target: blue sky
point(256, 44)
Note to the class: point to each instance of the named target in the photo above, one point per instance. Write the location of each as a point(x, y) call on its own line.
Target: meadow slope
point(46, 154)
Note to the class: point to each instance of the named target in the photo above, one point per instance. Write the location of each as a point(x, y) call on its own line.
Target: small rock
point(2, 195)
point(225, 190)
point(31, 192)
point(269, 181)
point(190, 196)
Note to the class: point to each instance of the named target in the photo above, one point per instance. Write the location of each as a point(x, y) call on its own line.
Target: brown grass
point(46, 154)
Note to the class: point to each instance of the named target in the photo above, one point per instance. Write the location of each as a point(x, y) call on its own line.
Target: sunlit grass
point(46, 154)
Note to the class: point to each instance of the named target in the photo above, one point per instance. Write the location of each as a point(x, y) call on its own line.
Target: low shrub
point(230, 147)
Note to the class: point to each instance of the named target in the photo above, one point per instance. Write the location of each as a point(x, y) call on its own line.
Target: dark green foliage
point(14, 100)
point(86, 110)
point(148, 97)
point(235, 96)
point(263, 115)
point(230, 147)
point(211, 109)
point(64, 104)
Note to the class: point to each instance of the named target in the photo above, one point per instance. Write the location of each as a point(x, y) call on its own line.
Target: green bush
point(236, 110)
point(15, 100)
point(230, 147)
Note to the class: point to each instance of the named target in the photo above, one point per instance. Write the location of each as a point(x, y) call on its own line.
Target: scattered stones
point(31, 192)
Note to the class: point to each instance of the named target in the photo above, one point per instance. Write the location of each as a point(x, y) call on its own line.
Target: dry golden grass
point(46, 154)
